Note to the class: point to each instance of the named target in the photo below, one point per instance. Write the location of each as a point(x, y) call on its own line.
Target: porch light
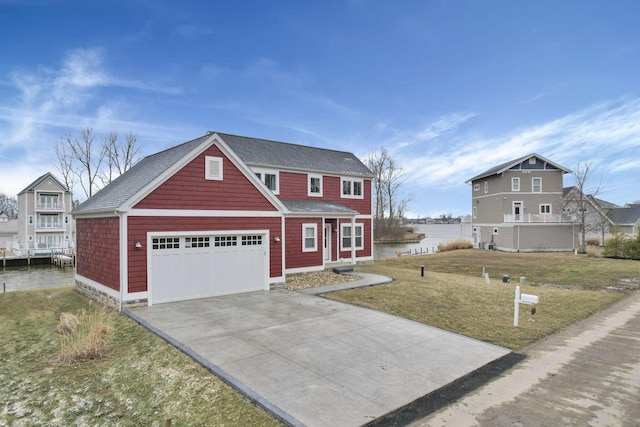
point(138, 245)
point(277, 238)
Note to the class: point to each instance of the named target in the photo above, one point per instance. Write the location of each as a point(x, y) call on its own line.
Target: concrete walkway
point(313, 361)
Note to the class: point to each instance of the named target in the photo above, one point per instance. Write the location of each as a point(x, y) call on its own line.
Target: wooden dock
point(55, 258)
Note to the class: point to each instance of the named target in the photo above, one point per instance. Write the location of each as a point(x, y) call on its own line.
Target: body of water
point(29, 278)
point(434, 235)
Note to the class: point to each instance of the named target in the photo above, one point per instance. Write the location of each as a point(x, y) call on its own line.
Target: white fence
point(533, 218)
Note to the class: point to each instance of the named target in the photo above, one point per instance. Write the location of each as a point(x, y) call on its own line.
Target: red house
point(222, 214)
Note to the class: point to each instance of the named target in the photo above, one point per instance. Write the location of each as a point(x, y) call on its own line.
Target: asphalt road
point(585, 375)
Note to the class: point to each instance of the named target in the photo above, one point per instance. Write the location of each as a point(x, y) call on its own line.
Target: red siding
point(138, 228)
point(188, 189)
point(295, 258)
point(98, 250)
point(293, 186)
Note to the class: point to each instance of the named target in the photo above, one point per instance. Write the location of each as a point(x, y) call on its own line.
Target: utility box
point(506, 279)
point(529, 299)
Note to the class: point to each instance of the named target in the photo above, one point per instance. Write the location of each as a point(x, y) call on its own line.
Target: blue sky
point(449, 88)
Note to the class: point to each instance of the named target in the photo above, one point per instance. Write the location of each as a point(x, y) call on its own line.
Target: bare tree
point(581, 203)
point(8, 206)
point(388, 178)
point(81, 161)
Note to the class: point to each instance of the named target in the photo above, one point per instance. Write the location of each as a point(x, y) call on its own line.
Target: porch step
point(343, 269)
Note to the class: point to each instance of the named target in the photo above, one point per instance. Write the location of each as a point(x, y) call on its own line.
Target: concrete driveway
point(316, 362)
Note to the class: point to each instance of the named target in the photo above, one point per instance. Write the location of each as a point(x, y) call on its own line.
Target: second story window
point(269, 178)
point(486, 187)
point(352, 188)
point(515, 184)
point(48, 201)
point(536, 185)
point(315, 185)
point(476, 187)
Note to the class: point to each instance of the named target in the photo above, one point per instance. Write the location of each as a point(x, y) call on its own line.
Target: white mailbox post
point(522, 299)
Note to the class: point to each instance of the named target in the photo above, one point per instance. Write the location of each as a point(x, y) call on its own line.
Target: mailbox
point(529, 299)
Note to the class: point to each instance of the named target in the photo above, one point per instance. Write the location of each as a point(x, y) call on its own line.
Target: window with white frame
point(315, 185)
point(545, 208)
point(352, 188)
point(351, 236)
point(213, 168)
point(270, 178)
point(476, 187)
point(486, 187)
point(515, 184)
point(475, 212)
point(536, 185)
point(309, 237)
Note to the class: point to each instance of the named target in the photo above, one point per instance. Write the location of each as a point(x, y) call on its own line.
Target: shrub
point(89, 339)
point(620, 246)
point(593, 241)
point(454, 245)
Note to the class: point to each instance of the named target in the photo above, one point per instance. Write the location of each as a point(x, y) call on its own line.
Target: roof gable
point(531, 161)
point(625, 216)
point(42, 179)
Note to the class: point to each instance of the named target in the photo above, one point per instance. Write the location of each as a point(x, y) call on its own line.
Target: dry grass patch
point(86, 336)
point(459, 300)
point(454, 245)
point(316, 278)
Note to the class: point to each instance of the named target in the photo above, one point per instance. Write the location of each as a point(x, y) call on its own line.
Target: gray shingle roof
point(508, 165)
point(252, 151)
point(622, 216)
point(317, 206)
point(262, 152)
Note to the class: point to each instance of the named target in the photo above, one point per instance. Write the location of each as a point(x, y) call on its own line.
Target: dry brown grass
point(454, 245)
point(86, 336)
point(453, 296)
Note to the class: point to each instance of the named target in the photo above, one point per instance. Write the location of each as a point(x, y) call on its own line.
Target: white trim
point(124, 256)
point(311, 176)
point(305, 227)
point(351, 181)
point(211, 174)
point(353, 236)
point(532, 179)
point(550, 205)
point(515, 179)
point(270, 171)
point(202, 213)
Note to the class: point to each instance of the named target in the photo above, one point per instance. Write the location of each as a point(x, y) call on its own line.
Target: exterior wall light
point(138, 245)
point(277, 238)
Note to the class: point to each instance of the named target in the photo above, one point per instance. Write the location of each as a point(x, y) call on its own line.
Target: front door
point(327, 242)
point(517, 211)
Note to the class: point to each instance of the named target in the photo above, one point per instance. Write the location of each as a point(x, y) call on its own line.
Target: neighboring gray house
point(596, 219)
point(44, 220)
point(626, 219)
point(8, 232)
point(518, 206)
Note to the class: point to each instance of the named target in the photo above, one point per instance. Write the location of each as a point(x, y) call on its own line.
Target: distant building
point(517, 206)
point(44, 220)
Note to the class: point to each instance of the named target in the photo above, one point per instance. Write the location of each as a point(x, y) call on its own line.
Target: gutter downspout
point(124, 255)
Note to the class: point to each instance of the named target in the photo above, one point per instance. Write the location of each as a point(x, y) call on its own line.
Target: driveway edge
point(254, 397)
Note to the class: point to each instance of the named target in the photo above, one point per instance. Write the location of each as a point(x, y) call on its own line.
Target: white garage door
point(197, 266)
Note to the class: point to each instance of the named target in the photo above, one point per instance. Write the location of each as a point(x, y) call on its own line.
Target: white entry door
point(203, 265)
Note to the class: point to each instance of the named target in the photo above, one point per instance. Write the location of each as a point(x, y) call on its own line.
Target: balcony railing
point(533, 218)
point(50, 206)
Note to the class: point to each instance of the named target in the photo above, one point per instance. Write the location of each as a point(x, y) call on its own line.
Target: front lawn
point(453, 296)
point(141, 381)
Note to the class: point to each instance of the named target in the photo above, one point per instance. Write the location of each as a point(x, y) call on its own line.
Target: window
point(196, 242)
point(315, 185)
point(269, 178)
point(486, 187)
point(536, 185)
point(349, 237)
point(213, 168)
point(475, 212)
point(252, 240)
point(476, 187)
point(352, 188)
point(47, 200)
point(532, 161)
point(515, 184)
point(165, 243)
point(309, 237)
point(48, 220)
point(225, 241)
point(545, 209)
